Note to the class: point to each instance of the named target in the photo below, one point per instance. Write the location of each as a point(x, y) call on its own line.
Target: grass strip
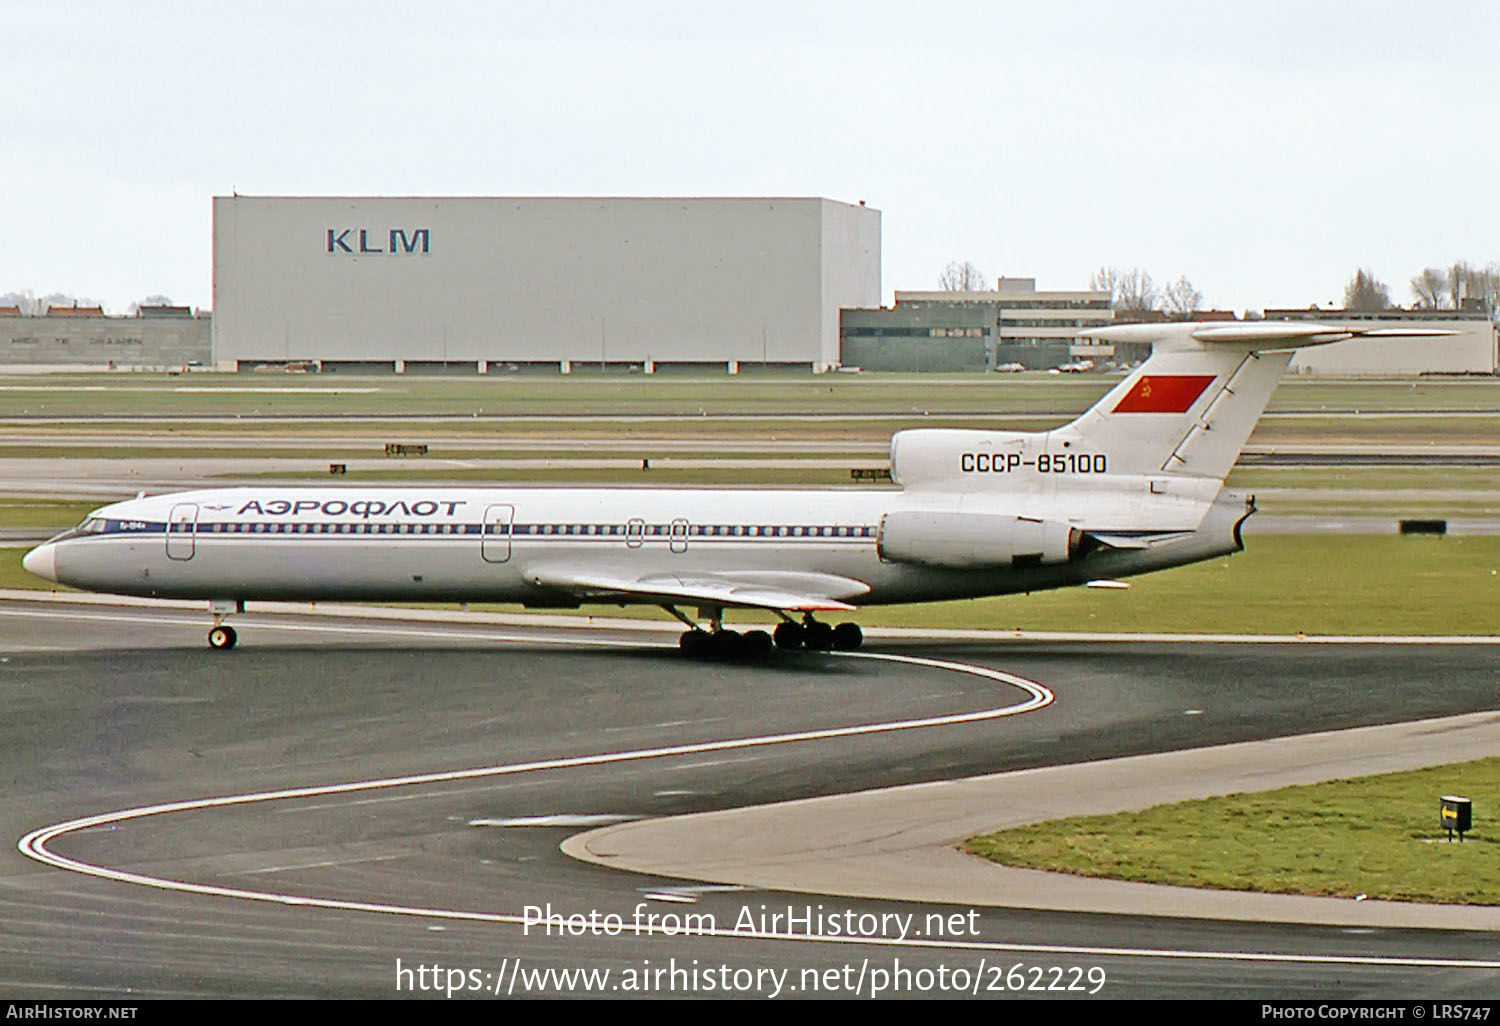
point(1377, 836)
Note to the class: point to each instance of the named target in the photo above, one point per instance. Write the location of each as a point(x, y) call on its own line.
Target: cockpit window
point(91, 525)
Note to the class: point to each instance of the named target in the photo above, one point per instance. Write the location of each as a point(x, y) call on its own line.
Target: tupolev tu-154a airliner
point(1135, 484)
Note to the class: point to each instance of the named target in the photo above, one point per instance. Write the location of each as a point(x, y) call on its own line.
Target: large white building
point(429, 281)
point(1014, 323)
point(1471, 347)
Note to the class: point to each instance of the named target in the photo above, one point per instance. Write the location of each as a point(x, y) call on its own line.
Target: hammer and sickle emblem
point(1145, 388)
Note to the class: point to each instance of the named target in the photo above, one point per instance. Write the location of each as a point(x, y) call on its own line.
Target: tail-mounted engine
point(976, 540)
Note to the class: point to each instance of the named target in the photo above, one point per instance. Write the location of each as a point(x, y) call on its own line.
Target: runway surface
point(517, 737)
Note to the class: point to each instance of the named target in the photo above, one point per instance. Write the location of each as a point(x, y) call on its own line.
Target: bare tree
point(1485, 288)
point(23, 299)
point(135, 307)
point(962, 277)
point(52, 299)
point(1105, 279)
point(1182, 299)
point(1135, 292)
point(1474, 287)
point(1430, 288)
point(1366, 293)
point(1460, 280)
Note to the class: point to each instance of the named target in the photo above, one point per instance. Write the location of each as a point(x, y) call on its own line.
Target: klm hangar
point(485, 284)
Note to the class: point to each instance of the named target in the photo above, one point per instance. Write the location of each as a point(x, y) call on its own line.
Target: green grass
point(706, 430)
point(658, 476)
point(166, 395)
point(65, 395)
point(43, 514)
point(1422, 430)
point(1377, 836)
point(1367, 478)
point(344, 453)
point(1282, 584)
point(876, 430)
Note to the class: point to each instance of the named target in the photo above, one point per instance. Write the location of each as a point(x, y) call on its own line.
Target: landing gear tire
point(847, 637)
point(789, 636)
point(695, 643)
point(818, 637)
point(758, 644)
point(727, 644)
point(222, 638)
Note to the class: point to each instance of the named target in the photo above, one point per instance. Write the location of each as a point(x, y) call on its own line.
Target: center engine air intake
point(975, 540)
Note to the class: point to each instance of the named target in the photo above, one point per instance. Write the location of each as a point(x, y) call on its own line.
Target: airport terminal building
point(1014, 325)
point(414, 283)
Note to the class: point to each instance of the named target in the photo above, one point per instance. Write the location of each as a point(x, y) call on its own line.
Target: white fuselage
point(504, 544)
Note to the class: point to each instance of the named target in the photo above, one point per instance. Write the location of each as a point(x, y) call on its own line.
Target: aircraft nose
point(42, 561)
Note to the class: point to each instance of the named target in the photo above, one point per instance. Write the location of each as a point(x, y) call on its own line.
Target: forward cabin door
point(182, 530)
point(494, 543)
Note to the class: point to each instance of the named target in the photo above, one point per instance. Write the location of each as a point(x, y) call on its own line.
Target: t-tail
point(1184, 414)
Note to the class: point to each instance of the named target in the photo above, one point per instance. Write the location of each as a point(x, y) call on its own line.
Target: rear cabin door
point(494, 544)
point(182, 530)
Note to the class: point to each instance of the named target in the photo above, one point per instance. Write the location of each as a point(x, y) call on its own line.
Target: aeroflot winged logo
point(398, 241)
point(1164, 393)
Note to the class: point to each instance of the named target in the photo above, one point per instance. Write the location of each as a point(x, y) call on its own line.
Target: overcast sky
point(1264, 149)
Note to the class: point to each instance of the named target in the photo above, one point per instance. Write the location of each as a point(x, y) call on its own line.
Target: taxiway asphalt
point(514, 737)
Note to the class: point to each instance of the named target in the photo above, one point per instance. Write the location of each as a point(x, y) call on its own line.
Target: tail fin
point(1185, 413)
point(1190, 408)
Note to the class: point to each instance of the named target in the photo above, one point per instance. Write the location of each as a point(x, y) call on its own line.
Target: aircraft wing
point(763, 589)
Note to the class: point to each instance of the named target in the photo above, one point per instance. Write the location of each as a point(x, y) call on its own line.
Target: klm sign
point(397, 241)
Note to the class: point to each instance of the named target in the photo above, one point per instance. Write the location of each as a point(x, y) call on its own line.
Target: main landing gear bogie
point(719, 642)
point(816, 636)
point(726, 644)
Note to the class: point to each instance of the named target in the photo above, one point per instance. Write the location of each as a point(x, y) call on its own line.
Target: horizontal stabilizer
point(1270, 333)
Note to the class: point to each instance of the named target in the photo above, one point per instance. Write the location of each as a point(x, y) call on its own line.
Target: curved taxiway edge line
point(900, 843)
point(35, 844)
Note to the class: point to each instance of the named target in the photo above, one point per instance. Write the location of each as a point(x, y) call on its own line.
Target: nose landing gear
point(222, 637)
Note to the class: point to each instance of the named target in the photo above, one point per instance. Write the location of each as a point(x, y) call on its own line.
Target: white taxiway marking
point(314, 865)
point(479, 632)
point(688, 895)
point(35, 844)
point(555, 821)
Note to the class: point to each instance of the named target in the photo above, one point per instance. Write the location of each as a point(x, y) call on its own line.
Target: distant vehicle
point(1076, 367)
point(1135, 484)
point(1010, 368)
